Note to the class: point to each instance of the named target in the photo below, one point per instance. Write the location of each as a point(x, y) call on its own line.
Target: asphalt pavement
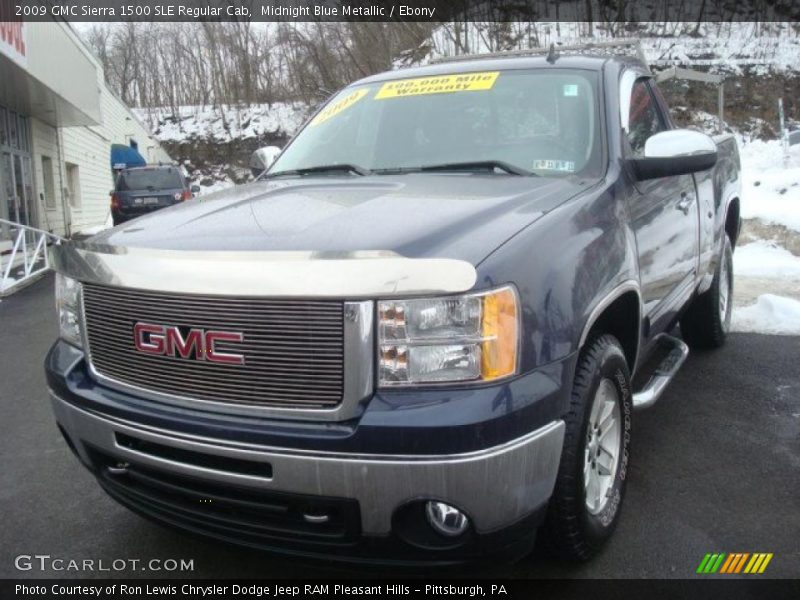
point(715, 468)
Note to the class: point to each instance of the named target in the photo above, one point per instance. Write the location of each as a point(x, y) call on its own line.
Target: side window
point(662, 103)
point(645, 119)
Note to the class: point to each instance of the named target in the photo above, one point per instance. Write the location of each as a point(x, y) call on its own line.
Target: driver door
point(664, 217)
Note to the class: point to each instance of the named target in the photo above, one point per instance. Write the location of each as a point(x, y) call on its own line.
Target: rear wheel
point(708, 319)
point(586, 501)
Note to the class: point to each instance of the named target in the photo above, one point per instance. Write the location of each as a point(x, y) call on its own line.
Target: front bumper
point(492, 451)
point(495, 487)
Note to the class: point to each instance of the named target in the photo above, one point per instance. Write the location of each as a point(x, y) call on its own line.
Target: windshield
point(149, 179)
point(541, 121)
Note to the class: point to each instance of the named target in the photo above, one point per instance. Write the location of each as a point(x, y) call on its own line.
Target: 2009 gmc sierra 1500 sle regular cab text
point(414, 338)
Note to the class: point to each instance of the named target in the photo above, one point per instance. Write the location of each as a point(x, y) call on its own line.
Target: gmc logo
point(198, 344)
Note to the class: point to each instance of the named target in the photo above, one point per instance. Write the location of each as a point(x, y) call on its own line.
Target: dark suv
point(142, 190)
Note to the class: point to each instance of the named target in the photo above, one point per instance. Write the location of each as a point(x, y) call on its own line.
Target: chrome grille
point(294, 349)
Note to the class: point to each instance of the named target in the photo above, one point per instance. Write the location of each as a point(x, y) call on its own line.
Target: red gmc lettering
point(192, 346)
point(223, 336)
point(197, 344)
point(149, 338)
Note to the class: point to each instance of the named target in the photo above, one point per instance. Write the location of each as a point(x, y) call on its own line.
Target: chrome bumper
point(495, 487)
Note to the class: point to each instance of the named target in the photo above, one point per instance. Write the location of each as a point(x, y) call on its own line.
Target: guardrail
point(27, 259)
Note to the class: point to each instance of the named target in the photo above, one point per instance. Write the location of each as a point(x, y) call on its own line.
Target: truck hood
point(462, 216)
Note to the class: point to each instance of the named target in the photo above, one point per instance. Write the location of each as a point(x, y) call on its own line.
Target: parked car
point(422, 334)
point(142, 190)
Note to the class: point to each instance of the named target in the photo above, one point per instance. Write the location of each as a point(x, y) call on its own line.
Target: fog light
point(445, 519)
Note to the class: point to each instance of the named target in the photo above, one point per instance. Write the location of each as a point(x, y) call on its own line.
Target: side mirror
point(262, 158)
point(676, 152)
point(195, 189)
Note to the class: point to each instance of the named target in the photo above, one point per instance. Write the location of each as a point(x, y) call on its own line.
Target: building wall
point(90, 151)
point(88, 147)
point(45, 144)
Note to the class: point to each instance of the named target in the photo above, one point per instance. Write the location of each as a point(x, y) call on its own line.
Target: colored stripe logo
point(735, 562)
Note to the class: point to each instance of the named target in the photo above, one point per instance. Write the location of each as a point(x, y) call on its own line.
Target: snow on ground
point(770, 187)
point(215, 187)
point(770, 314)
point(231, 122)
point(764, 258)
point(770, 193)
point(92, 230)
point(95, 229)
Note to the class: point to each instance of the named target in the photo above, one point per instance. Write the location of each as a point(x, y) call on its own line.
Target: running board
point(666, 370)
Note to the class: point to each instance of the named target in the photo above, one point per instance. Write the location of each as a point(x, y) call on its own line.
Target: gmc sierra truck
point(421, 335)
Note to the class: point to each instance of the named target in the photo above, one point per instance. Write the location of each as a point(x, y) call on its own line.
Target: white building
point(58, 120)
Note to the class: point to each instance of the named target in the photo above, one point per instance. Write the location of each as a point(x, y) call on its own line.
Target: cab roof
point(583, 62)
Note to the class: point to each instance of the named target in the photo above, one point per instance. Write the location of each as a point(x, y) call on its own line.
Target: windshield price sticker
point(554, 165)
point(466, 82)
point(340, 105)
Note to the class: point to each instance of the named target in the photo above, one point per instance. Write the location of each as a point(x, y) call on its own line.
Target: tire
point(706, 322)
point(580, 518)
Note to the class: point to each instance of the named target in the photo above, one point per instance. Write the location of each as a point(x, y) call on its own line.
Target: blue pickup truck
point(421, 335)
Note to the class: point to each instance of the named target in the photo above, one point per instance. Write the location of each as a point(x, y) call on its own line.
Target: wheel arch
point(732, 224)
point(619, 314)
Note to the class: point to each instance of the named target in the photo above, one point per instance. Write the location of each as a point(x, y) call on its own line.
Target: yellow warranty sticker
point(340, 105)
point(441, 84)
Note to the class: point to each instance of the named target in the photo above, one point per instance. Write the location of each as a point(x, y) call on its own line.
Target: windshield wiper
point(478, 164)
point(322, 169)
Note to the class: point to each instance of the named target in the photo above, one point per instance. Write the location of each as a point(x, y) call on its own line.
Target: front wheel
point(708, 318)
point(590, 485)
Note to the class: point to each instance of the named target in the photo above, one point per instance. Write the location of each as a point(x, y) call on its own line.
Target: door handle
point(685, 203)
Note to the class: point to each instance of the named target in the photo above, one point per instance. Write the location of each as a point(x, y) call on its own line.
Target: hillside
point(729, 48)
point(215, 143)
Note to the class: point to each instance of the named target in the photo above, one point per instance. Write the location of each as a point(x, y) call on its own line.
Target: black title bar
point(397, 10)
point(408, 588)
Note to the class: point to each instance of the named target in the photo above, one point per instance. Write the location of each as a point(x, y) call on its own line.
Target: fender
point(626, 286)
point(707, 278)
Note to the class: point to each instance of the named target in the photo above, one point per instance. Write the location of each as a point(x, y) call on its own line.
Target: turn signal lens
point(499, 331)
point(473, 337)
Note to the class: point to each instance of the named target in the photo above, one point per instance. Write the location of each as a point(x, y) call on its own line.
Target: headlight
point(474, 337)
point(68, 305)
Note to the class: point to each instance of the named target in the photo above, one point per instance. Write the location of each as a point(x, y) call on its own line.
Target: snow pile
point(770, 314)
point(216, 186)
point(764, 258)
point(225, 123)
point(93, 230)
point(770, 191)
